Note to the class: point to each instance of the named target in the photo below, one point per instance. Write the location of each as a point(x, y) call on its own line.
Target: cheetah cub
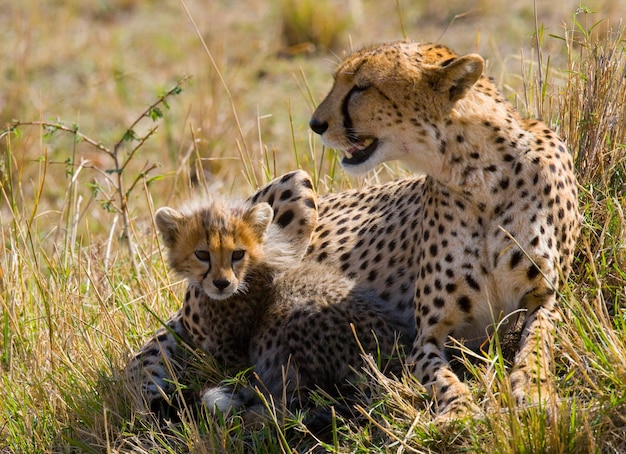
point(253, 302)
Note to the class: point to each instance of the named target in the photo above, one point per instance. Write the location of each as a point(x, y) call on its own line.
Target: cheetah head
point(214, 245)
point(387, 102)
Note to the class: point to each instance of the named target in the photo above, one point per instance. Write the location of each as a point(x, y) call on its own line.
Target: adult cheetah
point(494, 220)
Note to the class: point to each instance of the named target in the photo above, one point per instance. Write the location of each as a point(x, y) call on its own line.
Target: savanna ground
point(82, 279)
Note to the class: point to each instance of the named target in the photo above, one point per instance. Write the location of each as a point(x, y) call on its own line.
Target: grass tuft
point(319, 23)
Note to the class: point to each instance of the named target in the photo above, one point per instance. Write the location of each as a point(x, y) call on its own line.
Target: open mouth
point(360, 152)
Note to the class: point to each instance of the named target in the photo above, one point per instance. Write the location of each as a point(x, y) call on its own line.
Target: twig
point(118, 199)
point(175, 90)
point(60, 127)
point(137, 147)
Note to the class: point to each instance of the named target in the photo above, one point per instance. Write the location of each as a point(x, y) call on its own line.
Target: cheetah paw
point(221, 399)
point(457, 410)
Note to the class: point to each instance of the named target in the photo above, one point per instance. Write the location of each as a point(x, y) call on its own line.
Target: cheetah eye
point(361, 87)
point(203, 256)
point(238, 254)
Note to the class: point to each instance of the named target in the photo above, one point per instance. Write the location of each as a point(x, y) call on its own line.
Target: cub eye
point(203, 256)
point(238, 254)
point(361, 87)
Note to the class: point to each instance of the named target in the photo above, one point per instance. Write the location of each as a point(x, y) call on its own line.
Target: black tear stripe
point(347, 121)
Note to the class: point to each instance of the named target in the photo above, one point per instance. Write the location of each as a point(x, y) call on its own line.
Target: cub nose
point(221, 284)
point(319, 127)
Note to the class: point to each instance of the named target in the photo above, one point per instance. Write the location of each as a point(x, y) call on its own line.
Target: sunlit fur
point(495, 218)
point(219, 229)
point(253, 303)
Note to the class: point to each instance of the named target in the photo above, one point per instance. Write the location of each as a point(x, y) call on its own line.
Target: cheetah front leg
point(150, 374)
point(530, 378)
point(451, 396)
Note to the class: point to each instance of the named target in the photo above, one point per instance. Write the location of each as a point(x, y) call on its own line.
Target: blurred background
point(97, 65)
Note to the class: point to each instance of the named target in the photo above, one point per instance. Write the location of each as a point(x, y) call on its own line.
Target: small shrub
point(320, 22)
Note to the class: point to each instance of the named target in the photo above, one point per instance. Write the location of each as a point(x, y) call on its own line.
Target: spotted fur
point(252, 302)
point(490, 229)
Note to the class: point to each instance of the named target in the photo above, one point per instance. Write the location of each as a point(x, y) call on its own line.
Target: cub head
point(387, 101)
point(215, 245)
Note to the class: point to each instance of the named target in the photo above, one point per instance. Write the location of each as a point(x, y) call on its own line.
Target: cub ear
point(457, 76)
point(259, 216)
point(168, 221)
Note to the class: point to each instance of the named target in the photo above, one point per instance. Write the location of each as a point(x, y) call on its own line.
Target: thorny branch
point(120, 163)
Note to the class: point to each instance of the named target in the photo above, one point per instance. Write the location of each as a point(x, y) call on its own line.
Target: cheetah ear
point(457, 76)
point(168, 221)
point(259, 216)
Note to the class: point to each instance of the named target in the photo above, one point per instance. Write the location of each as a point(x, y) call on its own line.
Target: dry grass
point(73, 304)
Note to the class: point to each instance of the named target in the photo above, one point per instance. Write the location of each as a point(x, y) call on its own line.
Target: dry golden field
point(229, 87)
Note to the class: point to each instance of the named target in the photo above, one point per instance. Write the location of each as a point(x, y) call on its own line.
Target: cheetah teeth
point(360, 146)
point(360, 151)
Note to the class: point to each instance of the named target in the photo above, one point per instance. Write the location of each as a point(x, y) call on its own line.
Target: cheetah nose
point(221, 284)
point(319, 127)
